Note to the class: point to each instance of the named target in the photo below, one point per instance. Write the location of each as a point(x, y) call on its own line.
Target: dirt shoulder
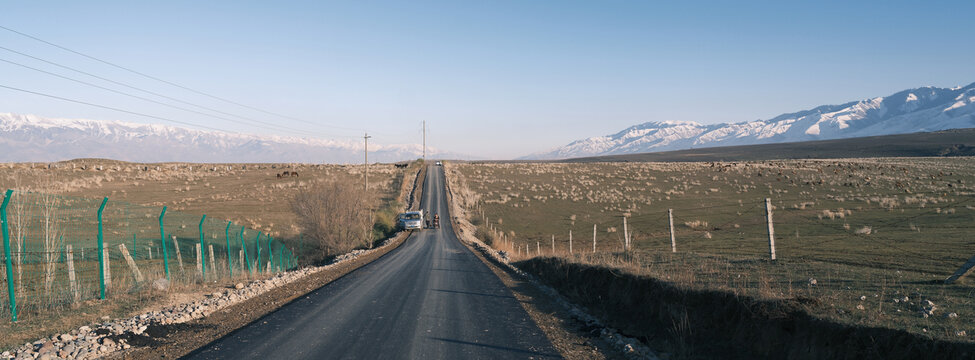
point(176, 340)
point(572, 338)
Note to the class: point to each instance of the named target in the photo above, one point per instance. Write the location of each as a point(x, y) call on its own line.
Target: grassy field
point(871, 240)
point(249, 195)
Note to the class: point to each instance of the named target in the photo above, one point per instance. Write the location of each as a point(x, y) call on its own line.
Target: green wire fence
point(62, 250)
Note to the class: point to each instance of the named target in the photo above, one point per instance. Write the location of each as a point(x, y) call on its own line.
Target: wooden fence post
point(199, 261)
point(593, 238)
point(626, 236)
point(131, 262)
point(553, 244)
point(771, 229)
point(213, 261)
point(108, 267)
point(72, 280)
point(179, 257)
point(673, 239)
point(570, 242)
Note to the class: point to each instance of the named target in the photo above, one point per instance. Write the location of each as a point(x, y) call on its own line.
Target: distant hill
point(957, 142)
point(25, 138)
point(910, 111)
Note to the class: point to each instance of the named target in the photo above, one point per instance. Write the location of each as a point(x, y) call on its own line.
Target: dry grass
point(878, 230)
point(247, 194)
point(250, 195)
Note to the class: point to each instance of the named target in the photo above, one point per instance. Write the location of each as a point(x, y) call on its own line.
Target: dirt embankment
point(716, 324)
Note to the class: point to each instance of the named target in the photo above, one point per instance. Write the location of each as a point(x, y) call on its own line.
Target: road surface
point(429, 299)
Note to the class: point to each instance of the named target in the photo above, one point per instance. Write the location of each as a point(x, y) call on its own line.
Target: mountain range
point(915, 110)
point(29, 138)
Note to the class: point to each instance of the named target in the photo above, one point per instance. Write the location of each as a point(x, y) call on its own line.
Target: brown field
point(249, 195)
point(871, 240)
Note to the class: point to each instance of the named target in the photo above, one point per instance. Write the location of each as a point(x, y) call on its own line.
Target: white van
point(412, 220)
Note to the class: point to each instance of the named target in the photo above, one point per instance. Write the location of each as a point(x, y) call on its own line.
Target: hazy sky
point(494, 79)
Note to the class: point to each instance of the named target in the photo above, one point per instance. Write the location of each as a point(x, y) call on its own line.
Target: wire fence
point(59, 250)
point(927, 237)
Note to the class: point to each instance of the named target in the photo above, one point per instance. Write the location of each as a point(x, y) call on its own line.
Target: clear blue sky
point(493, 79)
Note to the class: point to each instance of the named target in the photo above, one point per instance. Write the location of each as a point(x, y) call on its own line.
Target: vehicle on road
point(412, 220)
point(436, 221)
point(439, 163)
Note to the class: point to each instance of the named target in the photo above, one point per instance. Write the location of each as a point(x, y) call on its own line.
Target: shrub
point(384, 225)
point(487, 236)
point(336, 217)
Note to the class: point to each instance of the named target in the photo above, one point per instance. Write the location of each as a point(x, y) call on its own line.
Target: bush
point(385, 224)
point(487, 236)
point(337, 217)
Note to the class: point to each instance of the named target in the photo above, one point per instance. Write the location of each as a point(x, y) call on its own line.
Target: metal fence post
point(6, 255)
point(230, 263)
point(281, 259)
point(203, 250)
point(162, 239)
point(101, 249)
point(247, 259)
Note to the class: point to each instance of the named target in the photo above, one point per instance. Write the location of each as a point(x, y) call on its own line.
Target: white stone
point(160, 284)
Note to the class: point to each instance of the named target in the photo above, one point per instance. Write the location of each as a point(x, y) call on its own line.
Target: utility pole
point(424, 140)
point(366, 138)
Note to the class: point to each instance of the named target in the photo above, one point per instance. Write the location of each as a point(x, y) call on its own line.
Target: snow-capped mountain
point(26, 138)
point(916, 110)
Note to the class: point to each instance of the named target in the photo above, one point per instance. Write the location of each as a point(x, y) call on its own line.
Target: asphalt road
point(429, 299)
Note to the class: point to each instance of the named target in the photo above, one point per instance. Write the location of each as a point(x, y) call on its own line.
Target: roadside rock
point(160, 284)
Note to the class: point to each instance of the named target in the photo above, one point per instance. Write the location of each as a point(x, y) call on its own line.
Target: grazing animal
point(286, 173)
point(279, 176)
point(294, 174)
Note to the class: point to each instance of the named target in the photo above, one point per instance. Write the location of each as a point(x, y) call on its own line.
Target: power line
point(111, 108)
point(269, 126)
point(274, 126)
point(171, 83)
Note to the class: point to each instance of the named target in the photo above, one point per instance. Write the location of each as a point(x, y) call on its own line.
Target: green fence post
point(247, 259)
point(6, 255)
point(162, 239)
point(101, 250)
point(258, 241)
point(281, 258)
point(203, 251)
point(230, 263)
